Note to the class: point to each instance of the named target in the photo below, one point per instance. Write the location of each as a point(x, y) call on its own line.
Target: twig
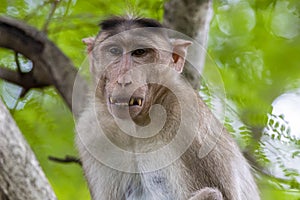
point(67, 159)
point(18, 62)
point(52, 11)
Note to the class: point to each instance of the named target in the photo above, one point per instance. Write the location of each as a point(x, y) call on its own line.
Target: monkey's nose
point(124, 81)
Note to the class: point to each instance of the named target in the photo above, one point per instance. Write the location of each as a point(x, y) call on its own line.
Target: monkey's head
point(123, 57)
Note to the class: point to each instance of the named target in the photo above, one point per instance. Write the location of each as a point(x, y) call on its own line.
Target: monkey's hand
point(207, 193)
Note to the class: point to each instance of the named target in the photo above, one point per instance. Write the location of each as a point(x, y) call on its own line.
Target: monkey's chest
point(149, 187)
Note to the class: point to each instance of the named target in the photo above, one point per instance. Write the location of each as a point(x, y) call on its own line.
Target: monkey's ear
point(180, 47)
point(89, 43)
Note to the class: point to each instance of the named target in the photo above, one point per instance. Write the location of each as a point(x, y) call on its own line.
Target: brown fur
point(221, 173)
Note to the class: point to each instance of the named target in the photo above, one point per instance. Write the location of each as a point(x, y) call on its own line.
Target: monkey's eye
point(116, 51)
point(139, 52)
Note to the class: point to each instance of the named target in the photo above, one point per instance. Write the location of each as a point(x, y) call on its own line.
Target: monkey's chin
point(124, 112)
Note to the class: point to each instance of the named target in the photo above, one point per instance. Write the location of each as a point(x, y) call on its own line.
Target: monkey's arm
point(207, 193)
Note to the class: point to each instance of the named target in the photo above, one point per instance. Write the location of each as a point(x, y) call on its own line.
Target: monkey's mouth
point(133, 101)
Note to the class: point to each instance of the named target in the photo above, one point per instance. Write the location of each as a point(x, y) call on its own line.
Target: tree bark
point(21, 177)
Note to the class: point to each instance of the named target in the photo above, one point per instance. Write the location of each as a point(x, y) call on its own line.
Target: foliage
point(254, 44)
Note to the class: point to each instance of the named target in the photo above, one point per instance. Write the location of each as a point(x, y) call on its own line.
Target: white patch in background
point(283, 151)
point(288, 105)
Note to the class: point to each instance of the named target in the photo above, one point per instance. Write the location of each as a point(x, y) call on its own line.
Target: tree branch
point(49, 62)
point(26, 80)
point(21, 176)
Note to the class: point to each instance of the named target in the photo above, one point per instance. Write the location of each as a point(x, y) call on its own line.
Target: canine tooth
point(131, 101)
point(139, 102)
point(110, 99)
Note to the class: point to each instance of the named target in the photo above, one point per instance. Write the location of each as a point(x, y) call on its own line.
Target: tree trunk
point(191, 17)
point(21, 177)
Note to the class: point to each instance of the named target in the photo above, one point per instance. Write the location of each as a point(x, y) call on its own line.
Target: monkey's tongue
point(134, 101)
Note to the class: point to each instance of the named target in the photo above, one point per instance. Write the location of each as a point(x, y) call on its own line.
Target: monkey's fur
point(221, 174)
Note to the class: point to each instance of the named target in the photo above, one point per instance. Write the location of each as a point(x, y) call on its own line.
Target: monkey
point(145, 134)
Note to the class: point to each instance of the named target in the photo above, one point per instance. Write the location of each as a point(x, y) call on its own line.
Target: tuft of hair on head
point(117, 24)
point(130, 15)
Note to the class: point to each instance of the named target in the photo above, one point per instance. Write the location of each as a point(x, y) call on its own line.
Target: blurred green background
point(255, 45)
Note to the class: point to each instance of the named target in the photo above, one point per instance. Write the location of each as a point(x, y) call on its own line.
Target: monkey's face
point(125, 66)
point(122, 64)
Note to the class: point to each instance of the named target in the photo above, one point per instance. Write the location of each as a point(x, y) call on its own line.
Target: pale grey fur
point(223, 168)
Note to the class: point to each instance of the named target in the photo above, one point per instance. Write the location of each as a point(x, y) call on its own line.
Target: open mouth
point(133, 101)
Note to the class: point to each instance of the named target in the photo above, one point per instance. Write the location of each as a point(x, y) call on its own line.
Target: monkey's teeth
point(131, 101)
point(139, 102)
point(121, 104)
